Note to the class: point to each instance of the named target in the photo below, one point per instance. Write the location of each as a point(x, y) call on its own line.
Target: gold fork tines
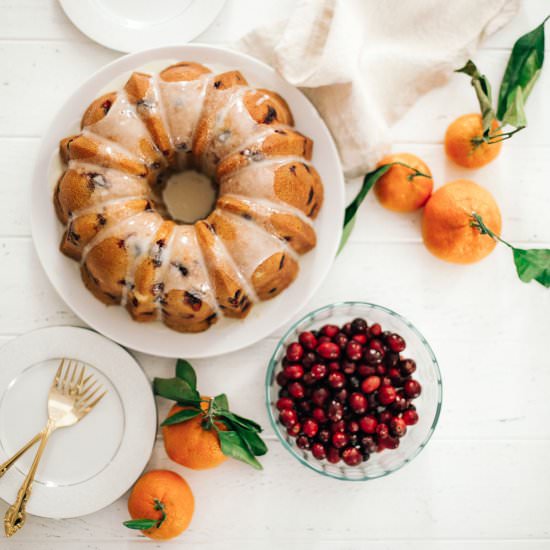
point(69, 400)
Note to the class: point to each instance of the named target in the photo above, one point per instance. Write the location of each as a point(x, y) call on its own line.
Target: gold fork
point(72, 396)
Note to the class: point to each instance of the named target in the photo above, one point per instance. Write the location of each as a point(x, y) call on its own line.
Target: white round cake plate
point(89, 465)
point(227, 334)
point(132, 25)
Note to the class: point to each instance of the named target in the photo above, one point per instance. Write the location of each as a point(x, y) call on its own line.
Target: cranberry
point(322, 339)
point(318, 451)
point(382, 431)
point(304, 406)
point(309, 379)
point(377, 345)
point(375, 330)
point(353, 427)
point(281, 379)
point(370, 384)
point(341, 340)
point(296, 390)
point(294, 372)
point(319, 396)
point(395, 376)
point(358, 325)
point(386, 381)
point(410, 417)
point(366, 370)
point(358, 402)
point(284, 403)
point(385, 416)
point(333, 455)
point(328, 350)
point(381, 370)
point(351, 456)
point(333, 365)
point(339, 439)
point(346, 329)
point(368, 444)
point(308, 340)
point(323, 436)
point(335, 411)
point(330, 330)
point(339, 426)
point(354, 351)
point(361, 338)
point(336, 380)
point(389, 443)
point(400, 403)
point(303, 442)
point(372, 356)
point(398, 427)
point(407, 367)
point(368, 424)
point(294, 352)
point(354, 382)
point(318, 371)
point(372, 400)
point(348, 367)
point(309, 359)
point(386, 395)
point(412, 388)
point(319, 414)
point(396, 343)
point(294, 430)
point(310, 427)
point(391, 359)
point(341, 396)
point(288, 417)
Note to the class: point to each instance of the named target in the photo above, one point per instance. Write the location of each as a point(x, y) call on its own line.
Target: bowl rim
point(273, 363)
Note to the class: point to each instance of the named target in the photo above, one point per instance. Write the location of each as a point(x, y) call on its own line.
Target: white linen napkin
point(363, 63)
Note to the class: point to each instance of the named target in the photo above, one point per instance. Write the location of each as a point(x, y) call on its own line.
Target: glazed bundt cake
point(110, 196)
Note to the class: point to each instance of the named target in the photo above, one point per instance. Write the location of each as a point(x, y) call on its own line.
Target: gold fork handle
point(9, 463)
point(15, 516)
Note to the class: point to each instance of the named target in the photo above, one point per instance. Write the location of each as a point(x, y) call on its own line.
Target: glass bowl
point(428, 404)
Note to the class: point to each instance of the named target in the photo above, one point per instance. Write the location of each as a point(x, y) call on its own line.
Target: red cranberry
point(296, 390)
point(395, 376)
point(341, 396)
point(361, 338)
point(372, 356)
point(410, 417)
point(309, 359)
point(294, 430)
point(339, 426)
point(353, 426)
point(303, 442)
point(281, 379)
point(288, 417)
point(318, 451)
point(333, 455)
point(346, 329)
point(400, 403)
point(304, 406)
point(308, 340)
point(370, 384)
point(389, 443)
point(391, 359)
point(336, 379)
point(294, 372)
point(284, 403)
point(319, 371)
point(368, 424)
point(348, 367)
point(319, 396)
point(412, 388)
point(386, 381)
point(368, 444)
point(358, 325)
point(319, 414)
point(382, 431)
point(333, 365)
point(339, 439)
point(351, 456)
point(386, 395)
point(396, 343)
point(407, 367)
point(375, 330)
point(335, 411)
point(294, 352)
point(309, 379)
point(323, 339)
point(377, 345)
point(330, 330)
point(366, 370)
point(358, 402)
point(310, 427)
point(381, 370)
point(385, 416)
point(398, 427)
point(354, 350)
point(323, 436)
point(341, 340)
point(328, 350)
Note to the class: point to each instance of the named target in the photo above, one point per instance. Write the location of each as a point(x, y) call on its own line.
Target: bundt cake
point(110, 196)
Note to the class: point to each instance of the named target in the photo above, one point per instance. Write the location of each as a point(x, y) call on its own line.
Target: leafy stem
point(143, 524)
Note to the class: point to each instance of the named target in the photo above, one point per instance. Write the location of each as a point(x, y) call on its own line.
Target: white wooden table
point(483, 481)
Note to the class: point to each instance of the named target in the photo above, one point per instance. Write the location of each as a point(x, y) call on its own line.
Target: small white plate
point(132, 25)
point(89, 465)
point(227, 334)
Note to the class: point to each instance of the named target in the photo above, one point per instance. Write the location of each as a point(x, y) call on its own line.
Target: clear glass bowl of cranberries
point(354, 391)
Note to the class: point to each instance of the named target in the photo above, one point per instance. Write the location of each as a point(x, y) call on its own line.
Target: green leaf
point(186, 372)
point(176, 389)
point(482, 88)
point(221, 403)
point(232, 445)
point(140, 524)
point(522, 70)
point(254, 442)
point(241, 421)
point(515, 114)
point(533, 264)
point(181, 416)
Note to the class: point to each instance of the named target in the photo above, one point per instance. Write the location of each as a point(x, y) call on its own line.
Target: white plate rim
point(122, 35)
point(140, 427)
point(212, 342)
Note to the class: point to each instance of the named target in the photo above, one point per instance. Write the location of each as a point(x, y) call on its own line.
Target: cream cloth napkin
point(363, 63)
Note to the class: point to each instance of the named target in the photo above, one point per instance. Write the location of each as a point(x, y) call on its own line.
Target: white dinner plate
point(87, 466)
point(227, 334)
point(132, 25)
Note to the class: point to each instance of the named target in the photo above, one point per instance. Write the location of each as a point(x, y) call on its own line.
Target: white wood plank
point(454, 489)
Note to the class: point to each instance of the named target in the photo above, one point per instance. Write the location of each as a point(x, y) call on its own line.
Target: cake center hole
point(189, 196)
